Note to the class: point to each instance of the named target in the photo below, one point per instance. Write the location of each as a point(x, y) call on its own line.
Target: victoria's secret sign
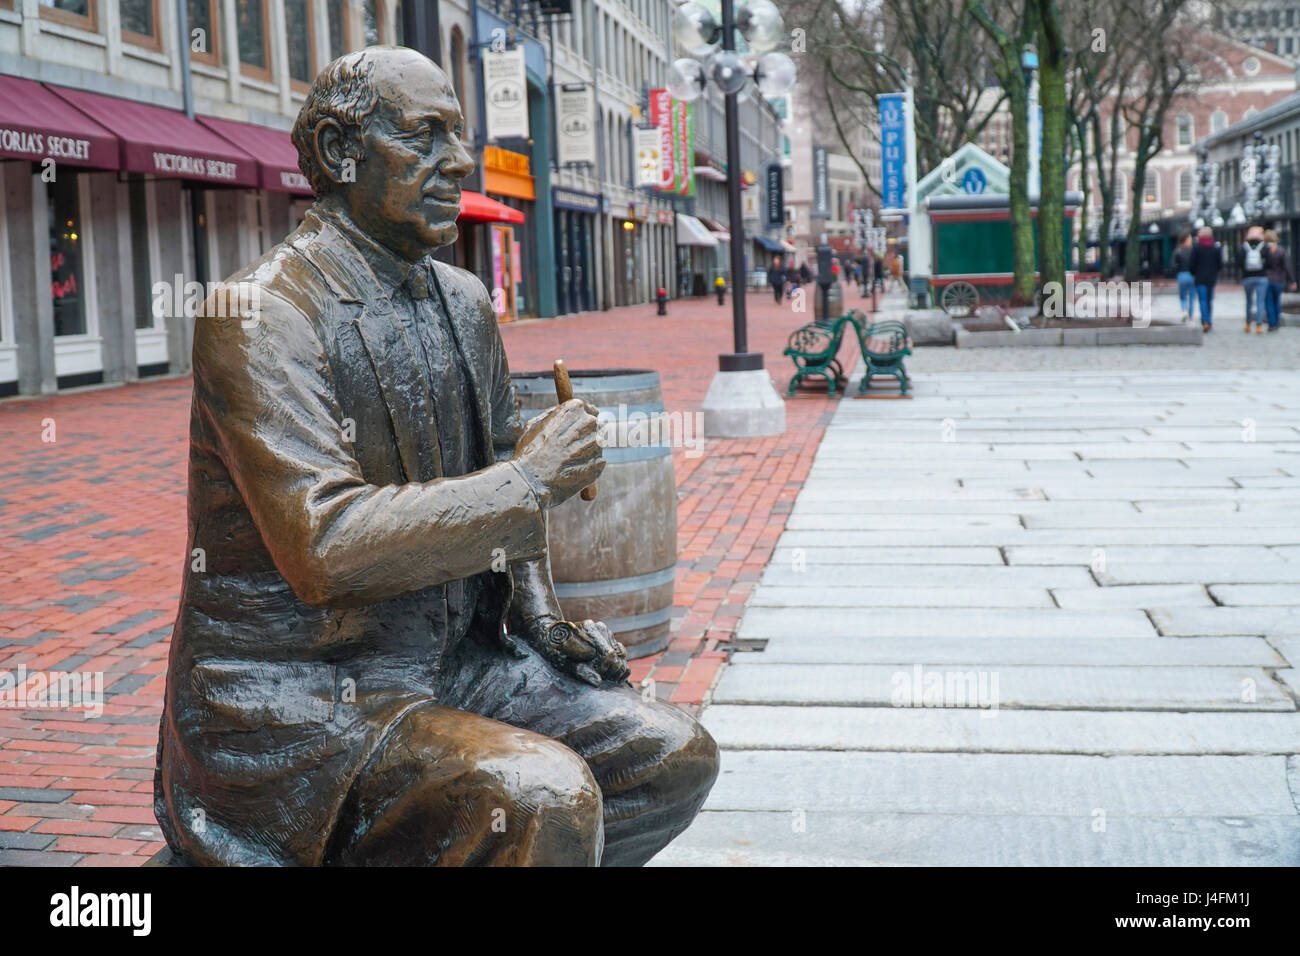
point(19, 142)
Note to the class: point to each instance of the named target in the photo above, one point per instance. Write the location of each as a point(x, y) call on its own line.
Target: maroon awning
point(162, 142)
point(35, 125)
point(277, 158)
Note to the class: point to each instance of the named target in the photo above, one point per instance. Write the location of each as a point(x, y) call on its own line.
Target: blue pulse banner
point(891, 150)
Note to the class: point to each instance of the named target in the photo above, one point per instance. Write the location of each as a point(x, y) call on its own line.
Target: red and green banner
point(675, 121)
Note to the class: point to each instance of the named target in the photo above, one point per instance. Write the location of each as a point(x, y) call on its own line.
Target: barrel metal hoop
point(581, 589)
point(636, 622)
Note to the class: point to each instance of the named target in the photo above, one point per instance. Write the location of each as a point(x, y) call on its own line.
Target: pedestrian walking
point(776, 278)
point(1278, 271)
point(1254, 279)
point(792, 279)
point(1186, 281)
point(1206, 259)
point(896, 270)
point(878, 272)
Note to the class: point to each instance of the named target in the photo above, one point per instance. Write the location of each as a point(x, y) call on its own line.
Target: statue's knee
point(542, 778)
point(696, 753)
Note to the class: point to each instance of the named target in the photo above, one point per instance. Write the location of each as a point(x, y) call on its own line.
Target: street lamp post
point(741, 401)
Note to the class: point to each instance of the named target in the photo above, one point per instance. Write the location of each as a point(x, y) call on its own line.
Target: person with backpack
point(1206, 259)
point(1254, 254)
point(1186, 281)
point(1278, 272)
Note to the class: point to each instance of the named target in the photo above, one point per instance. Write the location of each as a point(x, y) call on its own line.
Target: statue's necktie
point(417, 283)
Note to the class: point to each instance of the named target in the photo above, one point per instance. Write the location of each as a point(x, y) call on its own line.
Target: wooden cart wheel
point(959, 299)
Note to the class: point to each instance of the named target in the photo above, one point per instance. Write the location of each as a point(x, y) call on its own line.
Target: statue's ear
point(329, 141)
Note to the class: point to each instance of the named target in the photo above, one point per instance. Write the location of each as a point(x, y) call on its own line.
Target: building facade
point(1236, 82)
point(118, 204)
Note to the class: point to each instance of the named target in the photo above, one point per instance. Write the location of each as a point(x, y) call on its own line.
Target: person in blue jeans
point(1206, 259)
point(1278, 272)
point(1186, 281)
point(1254, 277)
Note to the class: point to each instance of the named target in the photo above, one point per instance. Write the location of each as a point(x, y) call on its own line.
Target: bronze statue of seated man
point(369, 664)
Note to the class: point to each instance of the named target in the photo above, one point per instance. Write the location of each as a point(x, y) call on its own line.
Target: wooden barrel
point(614, 559)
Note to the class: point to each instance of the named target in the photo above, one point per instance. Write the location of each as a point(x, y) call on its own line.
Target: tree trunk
point(1051, 202)
point(1022, 222)
point(1133, 244)
point(1086, 190)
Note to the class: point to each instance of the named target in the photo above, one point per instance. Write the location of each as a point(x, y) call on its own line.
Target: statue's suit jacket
point(322, 538)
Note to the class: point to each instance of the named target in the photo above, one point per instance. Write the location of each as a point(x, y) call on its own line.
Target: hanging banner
point(821, 197)
point(577, 132)
point(661, 116)
point(648, 158)
point(892, 152)
point(688, 149)
point(775, 188)
point(506, 93)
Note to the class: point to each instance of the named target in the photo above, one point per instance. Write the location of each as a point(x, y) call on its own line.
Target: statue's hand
point(585, 650)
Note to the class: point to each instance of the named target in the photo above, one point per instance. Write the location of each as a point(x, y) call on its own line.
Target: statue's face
point(407, 189)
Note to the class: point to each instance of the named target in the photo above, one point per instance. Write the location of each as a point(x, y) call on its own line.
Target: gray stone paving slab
point(924, 576)
point(1133, 596)
point(1291, 678)
point(901, 522)
point(1218, 572)
point(1256, 594)
point(826, 505)
point(741, 838)
point(822, 556)
point(1249, 690)
point(1025, 537)
point(1036, 784)
point(1045, 624)
point(813, 593)
point(1162, 652)
point(1139, 554)
point(1195, 621)
point(904, 729)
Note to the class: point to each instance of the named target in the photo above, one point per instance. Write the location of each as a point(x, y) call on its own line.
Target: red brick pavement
point(92, 538)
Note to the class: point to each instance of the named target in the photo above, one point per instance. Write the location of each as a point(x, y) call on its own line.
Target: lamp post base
point(742, 402)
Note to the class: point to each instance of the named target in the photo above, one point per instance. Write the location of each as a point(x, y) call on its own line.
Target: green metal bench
point(813, 350)
point(884, 345)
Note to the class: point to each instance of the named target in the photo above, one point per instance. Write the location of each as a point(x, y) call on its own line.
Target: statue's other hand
point(585, 650)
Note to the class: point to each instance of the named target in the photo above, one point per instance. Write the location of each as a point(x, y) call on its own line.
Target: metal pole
point(742, 359)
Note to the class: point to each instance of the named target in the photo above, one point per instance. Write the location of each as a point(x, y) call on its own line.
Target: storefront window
point(139, 21)
point(66, 277)
point(76, 13)
point(203, 30)
point(338, 42)
point(251, 15)
point(371, 21)
point(297, 17)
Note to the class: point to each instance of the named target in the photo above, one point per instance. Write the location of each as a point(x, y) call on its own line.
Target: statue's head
point(380, 134)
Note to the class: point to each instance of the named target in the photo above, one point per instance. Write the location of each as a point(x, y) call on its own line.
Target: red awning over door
point(162, 142)
point(36, 125)
point(277, 158)
point(475, 207)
